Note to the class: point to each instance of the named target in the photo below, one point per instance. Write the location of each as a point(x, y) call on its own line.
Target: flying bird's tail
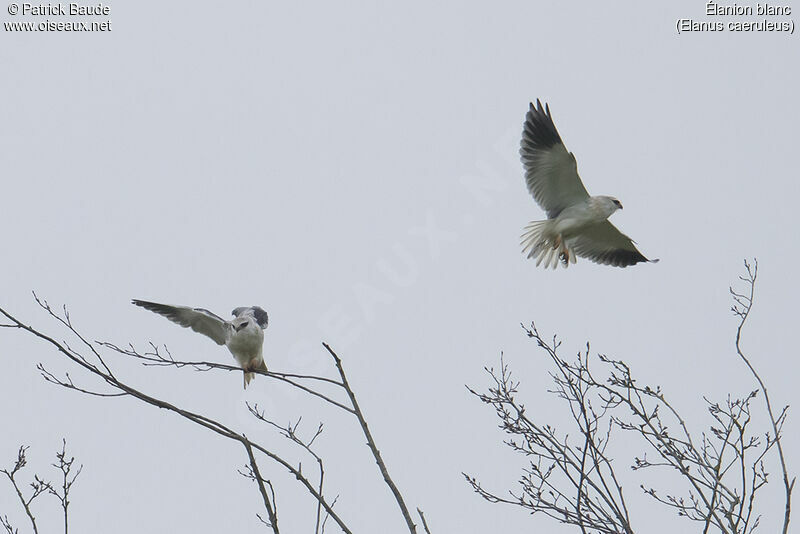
point(539, 242)
point(249, 376)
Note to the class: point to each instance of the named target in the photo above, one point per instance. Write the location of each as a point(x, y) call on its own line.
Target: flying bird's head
point(609, 204)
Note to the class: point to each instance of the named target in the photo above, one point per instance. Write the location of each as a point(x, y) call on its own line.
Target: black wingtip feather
point(539, 131)
point(146, 304)
point(161, 309)
point(625, 258)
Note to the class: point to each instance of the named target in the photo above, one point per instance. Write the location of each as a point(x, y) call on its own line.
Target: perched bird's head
point(255, 312)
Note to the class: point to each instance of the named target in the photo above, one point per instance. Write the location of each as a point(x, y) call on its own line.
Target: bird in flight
point(577, 224)
point(244, 335)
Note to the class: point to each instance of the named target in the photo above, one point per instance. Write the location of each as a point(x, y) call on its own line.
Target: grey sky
point(353, 169)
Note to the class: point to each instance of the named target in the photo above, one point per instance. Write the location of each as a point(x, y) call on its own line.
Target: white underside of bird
point(552, 241)
point(246, 343)
point(244, 335)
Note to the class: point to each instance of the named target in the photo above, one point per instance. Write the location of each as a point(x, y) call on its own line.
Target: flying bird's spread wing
point(256, 312)
point(603, 243)
point(198, 319)
point(551, 172)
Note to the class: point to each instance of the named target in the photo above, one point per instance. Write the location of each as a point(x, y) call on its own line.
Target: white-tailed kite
point(577, 224)
point(244, 335)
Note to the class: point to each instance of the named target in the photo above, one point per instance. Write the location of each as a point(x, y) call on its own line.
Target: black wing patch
point(260, 316)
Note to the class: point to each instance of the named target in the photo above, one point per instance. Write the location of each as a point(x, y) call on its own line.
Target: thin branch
point(371, 442)
point(65, 466)
point(424, 522)
point(290, 432)
point(273, 517)
point(38, 487)
point(7, 525)
point(573, 484)
point(154, 358)
point(742, 308)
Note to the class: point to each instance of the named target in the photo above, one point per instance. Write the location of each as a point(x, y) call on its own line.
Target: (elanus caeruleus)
point(577, 224)
point(244, 335)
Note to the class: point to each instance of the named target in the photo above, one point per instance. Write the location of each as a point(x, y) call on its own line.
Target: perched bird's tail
point(249, 376)
point(539, 242)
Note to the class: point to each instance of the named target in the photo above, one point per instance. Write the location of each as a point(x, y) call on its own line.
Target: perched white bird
point(244, 335)
point(577, 224)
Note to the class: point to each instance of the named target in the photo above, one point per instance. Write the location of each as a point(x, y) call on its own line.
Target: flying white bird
point(244, 335)
point(577, 224)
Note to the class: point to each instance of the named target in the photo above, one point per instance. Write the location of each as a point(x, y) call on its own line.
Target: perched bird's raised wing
point(256, 312)
point(198, 319)
point(550, 170)
point(603, 243)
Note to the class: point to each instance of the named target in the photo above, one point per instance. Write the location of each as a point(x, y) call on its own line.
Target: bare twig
point(371, 442)
point(572, 483)
point(65, 466)
point(290, 432)
point(38, 486)
point(424, 522)
point(273, 517)
point(7, 525)
point(743, 305)
point(154, 358)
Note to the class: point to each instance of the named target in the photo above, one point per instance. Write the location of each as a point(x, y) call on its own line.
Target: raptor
point(243, 335)
point(577, 224)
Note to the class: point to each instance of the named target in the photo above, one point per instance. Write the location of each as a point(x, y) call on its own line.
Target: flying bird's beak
point(620, 205)
point(240, 326)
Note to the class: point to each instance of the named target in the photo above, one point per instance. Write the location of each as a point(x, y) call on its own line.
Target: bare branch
point(67, 480)
point(273, 517)
point(573, 481)
point(371, 442)
point(154, 358)
point(424, 523)
point(7, 525)
point(743, 305)
point(290, 432)
point(38, 486)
